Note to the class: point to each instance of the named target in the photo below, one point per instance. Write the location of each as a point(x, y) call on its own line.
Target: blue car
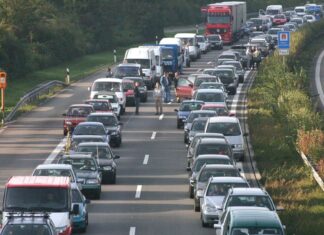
point(80, 220)
point(184, 110)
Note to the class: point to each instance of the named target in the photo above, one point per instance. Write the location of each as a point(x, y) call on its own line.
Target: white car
point(230, 127)
point(111, 96)
point(309, 18)
point(203, 44)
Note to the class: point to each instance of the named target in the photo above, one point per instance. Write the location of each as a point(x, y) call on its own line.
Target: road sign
point(283, 51)
point(283, 40)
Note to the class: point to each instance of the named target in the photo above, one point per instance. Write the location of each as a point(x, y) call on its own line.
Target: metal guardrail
point(314, 173)
point(33, 95)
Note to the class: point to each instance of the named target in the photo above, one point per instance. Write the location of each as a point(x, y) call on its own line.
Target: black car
point(105, 159)
point(215, 41)
point(87, 171)
point(259, 24)
point(229, 80)
point(142, 87)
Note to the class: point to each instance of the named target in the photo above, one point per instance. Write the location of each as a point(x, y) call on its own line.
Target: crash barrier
point(314, 172)
point(32, 96)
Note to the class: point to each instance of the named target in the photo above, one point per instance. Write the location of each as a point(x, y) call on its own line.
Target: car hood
point(216, 201)
point(234, 139)
point(86, 174)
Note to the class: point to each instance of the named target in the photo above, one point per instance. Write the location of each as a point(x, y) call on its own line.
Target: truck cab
point(178, 54)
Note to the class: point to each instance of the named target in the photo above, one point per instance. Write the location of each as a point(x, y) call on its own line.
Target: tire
point(203, 223)
point(118, 143)
point(191, 193)
point(98, 195)
point(241, 79)
point(196, 207)
point(178, 125)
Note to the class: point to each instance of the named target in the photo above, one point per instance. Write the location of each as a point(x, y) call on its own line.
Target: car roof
point(219, 166)
point(223, 119)
point(90, 124)
point(129, 65)
point(81, 105)
point(213, 140)
point(102, 114)
point(210, 135)
point(96, 100)
point(228, 179)
point(248, 192)
point(54, 166)
point(118, 80)
point(212, 156)
point(104, 144)
point(38, 181)
point(87, 137)
point(203, 111)
point(211, 90)
point(224, 69)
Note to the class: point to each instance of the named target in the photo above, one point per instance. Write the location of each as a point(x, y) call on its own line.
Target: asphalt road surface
point(151, 194)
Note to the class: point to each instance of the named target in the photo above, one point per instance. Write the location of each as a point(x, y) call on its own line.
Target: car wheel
point(241, 80)
point(119, 143)
point(191, 193)
point(185, 140)
point(122, 110)
point(203, 222)
point(114, 179)
point(178, 125)
point(196, 206)
point(98, 194)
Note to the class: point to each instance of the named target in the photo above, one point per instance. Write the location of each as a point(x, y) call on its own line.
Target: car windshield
point(207, 173)
point(79, 111)
point(218, 18)
point(53, 199)
point(210, 97)
point(54, 172)
point(220, 189)
point(187, 41)
point(211, 86)
point(127, 71)
point(250, 200)
point(23, 229)
point(77, 141)
point(224, 73)
point(183, 82)
point(108, 120)
point(238, 66)
point(256, 231)
point(167, 53)
point(200, 162)
point(200, 80)
point(279, 17)
point(82, 164)
point(100, 105)
point(89, 130)
point(76, 196)
point(272, 12)
point(189, 106)
point(106, 86)
point(213, 38)
point(193, 116)
point(144, 62)
point(256, 21)
point(225, 128)
point(101, 152)
point(198, 125)
point(212, 148)
point(200, 39)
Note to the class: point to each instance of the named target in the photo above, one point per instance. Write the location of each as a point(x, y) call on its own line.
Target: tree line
point(36, 34)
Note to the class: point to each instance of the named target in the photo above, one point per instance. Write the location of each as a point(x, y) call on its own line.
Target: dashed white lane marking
point(132, 230)
point(161, 116)
point(55, 152)
point(138, 191)
point(318, 77)
point(146, 158)
point(210, 62)
point(153, 135)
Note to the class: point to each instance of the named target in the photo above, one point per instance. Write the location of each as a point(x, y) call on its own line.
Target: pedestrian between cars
point(158, 95)
point(165, 87)
point(109, 73)
point(137, 96)
point(249, 57)
point(256, 58)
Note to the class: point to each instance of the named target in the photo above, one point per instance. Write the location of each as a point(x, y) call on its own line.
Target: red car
point(220, 109)
point(184, 89)
point(100, 105)
point(76, 113)
point(129, 86)
point(279, 19)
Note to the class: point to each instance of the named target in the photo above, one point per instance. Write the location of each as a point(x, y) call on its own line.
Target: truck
point(226, 19)
point(158, 50)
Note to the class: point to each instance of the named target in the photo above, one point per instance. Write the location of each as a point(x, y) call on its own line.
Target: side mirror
point(89, 88)
point(64, 114)
point(176, 110)
point(116, 157)
point(87, 201)
point(75, 209)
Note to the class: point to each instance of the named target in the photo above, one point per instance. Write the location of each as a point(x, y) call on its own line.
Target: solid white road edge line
point(161, 116)
point(146, 158)
point(138, 191)
point(153, 135)
point(318, 77)
point(55, 152)
point(132, 230)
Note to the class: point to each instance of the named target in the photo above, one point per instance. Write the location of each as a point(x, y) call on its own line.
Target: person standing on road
point(109, 73)
point(257, 57)
point(249, 57)
point(176, 79)
point(137, 96)
point(253, 49)
point(165, 87)
point(158, 95)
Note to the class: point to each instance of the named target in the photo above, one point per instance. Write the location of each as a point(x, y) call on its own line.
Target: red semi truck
point(226, 19)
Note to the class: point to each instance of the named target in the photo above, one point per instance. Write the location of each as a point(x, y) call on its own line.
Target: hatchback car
point(211, 96)
point(197, 126)
point(105, 159)
point(214, 171)
point(113, 100)
point(230, 127)
point(75, 114)
point(213, 196)
point(239, 69)
point(184, 110)
point(215, 41)
point(91, 128)
point(100, 105)
point(111, 124)
point(80, 221)
point(229, 80)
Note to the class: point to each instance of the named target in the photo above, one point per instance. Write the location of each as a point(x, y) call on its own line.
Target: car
point(279, 19)
point(111, 124)
point(299, 20)
point(220, 109)
point(192, 116)
point(100, 105)
point(248, 197)
point(248, 27)
point(197, 126)
point(129, 86)
point(239, 69)
point(215, 41)
point(91, 128)
point(202, 42)
point(209, 146)
point(80, 220)
point(290, 27)
point(213, 85)
point(128, 70)
point(249, 220)
point(232, 67)
point(113, 100)
point(230, 55)
point(213, 196)
point(87, 172)
point(75, 114)
point(261, 44)
point(214, 171)
point(203, 78)
point(184, 110)
point(141, 87)
point(230, 127)
point(57, 170)
point(273, 32)
point(229, 79)
point(200, 161)
point(86, 138)
point(211, 96)
point(309, 18)
point(259, 24)
point(28, 223)
point(184, 89)
point(105, 159)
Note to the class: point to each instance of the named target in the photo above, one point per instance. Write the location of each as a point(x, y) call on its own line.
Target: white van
point(158, 58)
point(300, 10)
point(176, 41)
point(189, 40)
point(271, 11)
point(146, 58)
point(104, 85)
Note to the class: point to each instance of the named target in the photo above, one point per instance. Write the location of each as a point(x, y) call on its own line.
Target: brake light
point(65, 230)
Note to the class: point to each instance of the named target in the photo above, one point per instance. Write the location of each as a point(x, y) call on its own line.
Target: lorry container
point(226, 19)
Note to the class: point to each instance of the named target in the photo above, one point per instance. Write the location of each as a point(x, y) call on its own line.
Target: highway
point(151, 194)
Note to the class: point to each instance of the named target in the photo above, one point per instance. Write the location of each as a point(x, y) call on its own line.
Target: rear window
point(225, 128)
point(198, 126)
point(127, 71)
point(189, 106)
point(79, 111)
point(213, 148)
point(210, 97)
point(207, 173)
point(105, 120)
point(106, 86)
point(89, 130)
point(200, 80)
point(192, 116)
point(100, 105)
point(220, 189)
point(200, 162)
